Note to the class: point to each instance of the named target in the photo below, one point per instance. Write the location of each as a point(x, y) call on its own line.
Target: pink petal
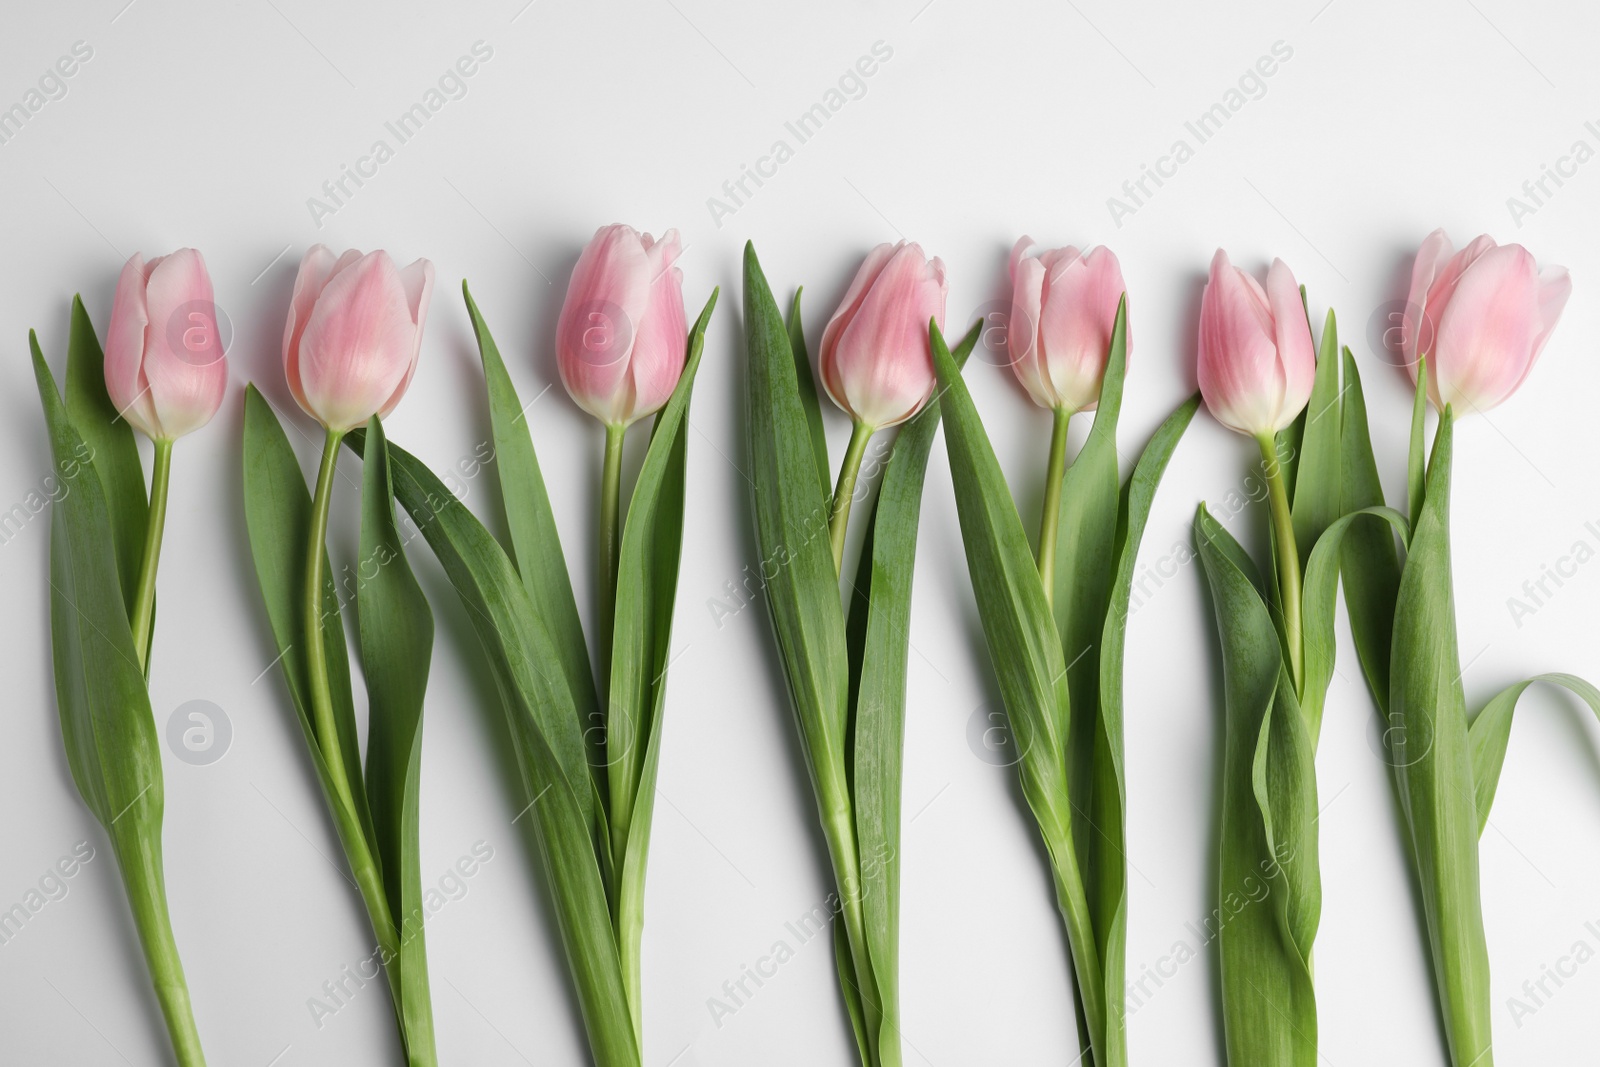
point(184, 361)
point(359, 343)
point(124, 353)
point(1487, 331)
point(606, 303)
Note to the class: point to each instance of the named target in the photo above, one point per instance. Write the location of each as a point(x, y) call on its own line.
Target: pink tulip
point(354, 333)
point(1481, 317)
point(875, 360)
point(1063, 308)
point(165, 368)
point(621, 339)
point(1257, 361)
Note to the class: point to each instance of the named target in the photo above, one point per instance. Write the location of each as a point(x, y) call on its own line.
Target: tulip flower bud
point(875, 361)
point(164, 364)
point(354, 333)
point(1063, 308)
point(1257, 361)
point(1481, 317)
point(622, 339)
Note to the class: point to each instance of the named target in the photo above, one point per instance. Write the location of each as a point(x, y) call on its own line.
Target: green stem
point(144, 600)
point(139, 857)
point(1288, 556)
point(610, 542)
point(844, 493)
point(351, 831)
point(1051, 519)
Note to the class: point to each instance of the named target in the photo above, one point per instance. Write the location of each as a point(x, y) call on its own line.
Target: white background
point(211, 124)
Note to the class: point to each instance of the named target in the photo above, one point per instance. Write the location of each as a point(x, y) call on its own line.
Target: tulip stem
point(142, 619)
point(1051, 519)
point(844, 493)
point(347, 819)
point(610, 540)
point(1288, 555)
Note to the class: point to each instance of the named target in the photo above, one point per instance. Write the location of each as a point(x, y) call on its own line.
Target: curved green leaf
point(1433, 767)
point(1268, 894)
point(1025, 651)
point(1491, 732)
point(396, 647)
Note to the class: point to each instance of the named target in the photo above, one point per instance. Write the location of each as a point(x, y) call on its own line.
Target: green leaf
point(1321, 594)
point(1108, 859)
point(1317, 482)
point(277, 508)
point(1086, 542)
point(536, 546)
point(808, 391)
point(791, 510)
point(1368, 565)
point(647, 586)
point(396, 647)
point(111, 445)
point(1416, 472)
point(1433, 766)
point(1025, 651)
point(1268, 885)
point(106, 722)
point(880, 643)
point(1491, 732)
point(545, 734)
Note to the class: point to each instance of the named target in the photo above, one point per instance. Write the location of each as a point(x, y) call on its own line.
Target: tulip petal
point(417, 279)
point(124, 353)
point(1435, 252)
point(607, 300)
point(183, 357)
point(1080, 309)
point(1022, 329)
point(1487, 330)
point(1238, 368)
point(661, 346)
point(316, 267)
point(1297, 353)
point(358, 344)
point(864, 278)
point(893, 377)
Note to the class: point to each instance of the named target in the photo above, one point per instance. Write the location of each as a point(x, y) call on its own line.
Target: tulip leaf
point(109, 441)
point(1316, 482)
point(535, 544)
point(1026, 653)
point(1369, 566)
point(1432, 759)
point(277, 508)
point(1268, 890)
point(1321, 594)
point(546, 735)
point(880, 643)
point(1416, 467)
point(1109, 862)
point(791, 511)
point(641, 650)
point(1491, 732)
point(807, 384)
point(396, 629)
point(1087, 525)
point(107, 725)
point(106, 721)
